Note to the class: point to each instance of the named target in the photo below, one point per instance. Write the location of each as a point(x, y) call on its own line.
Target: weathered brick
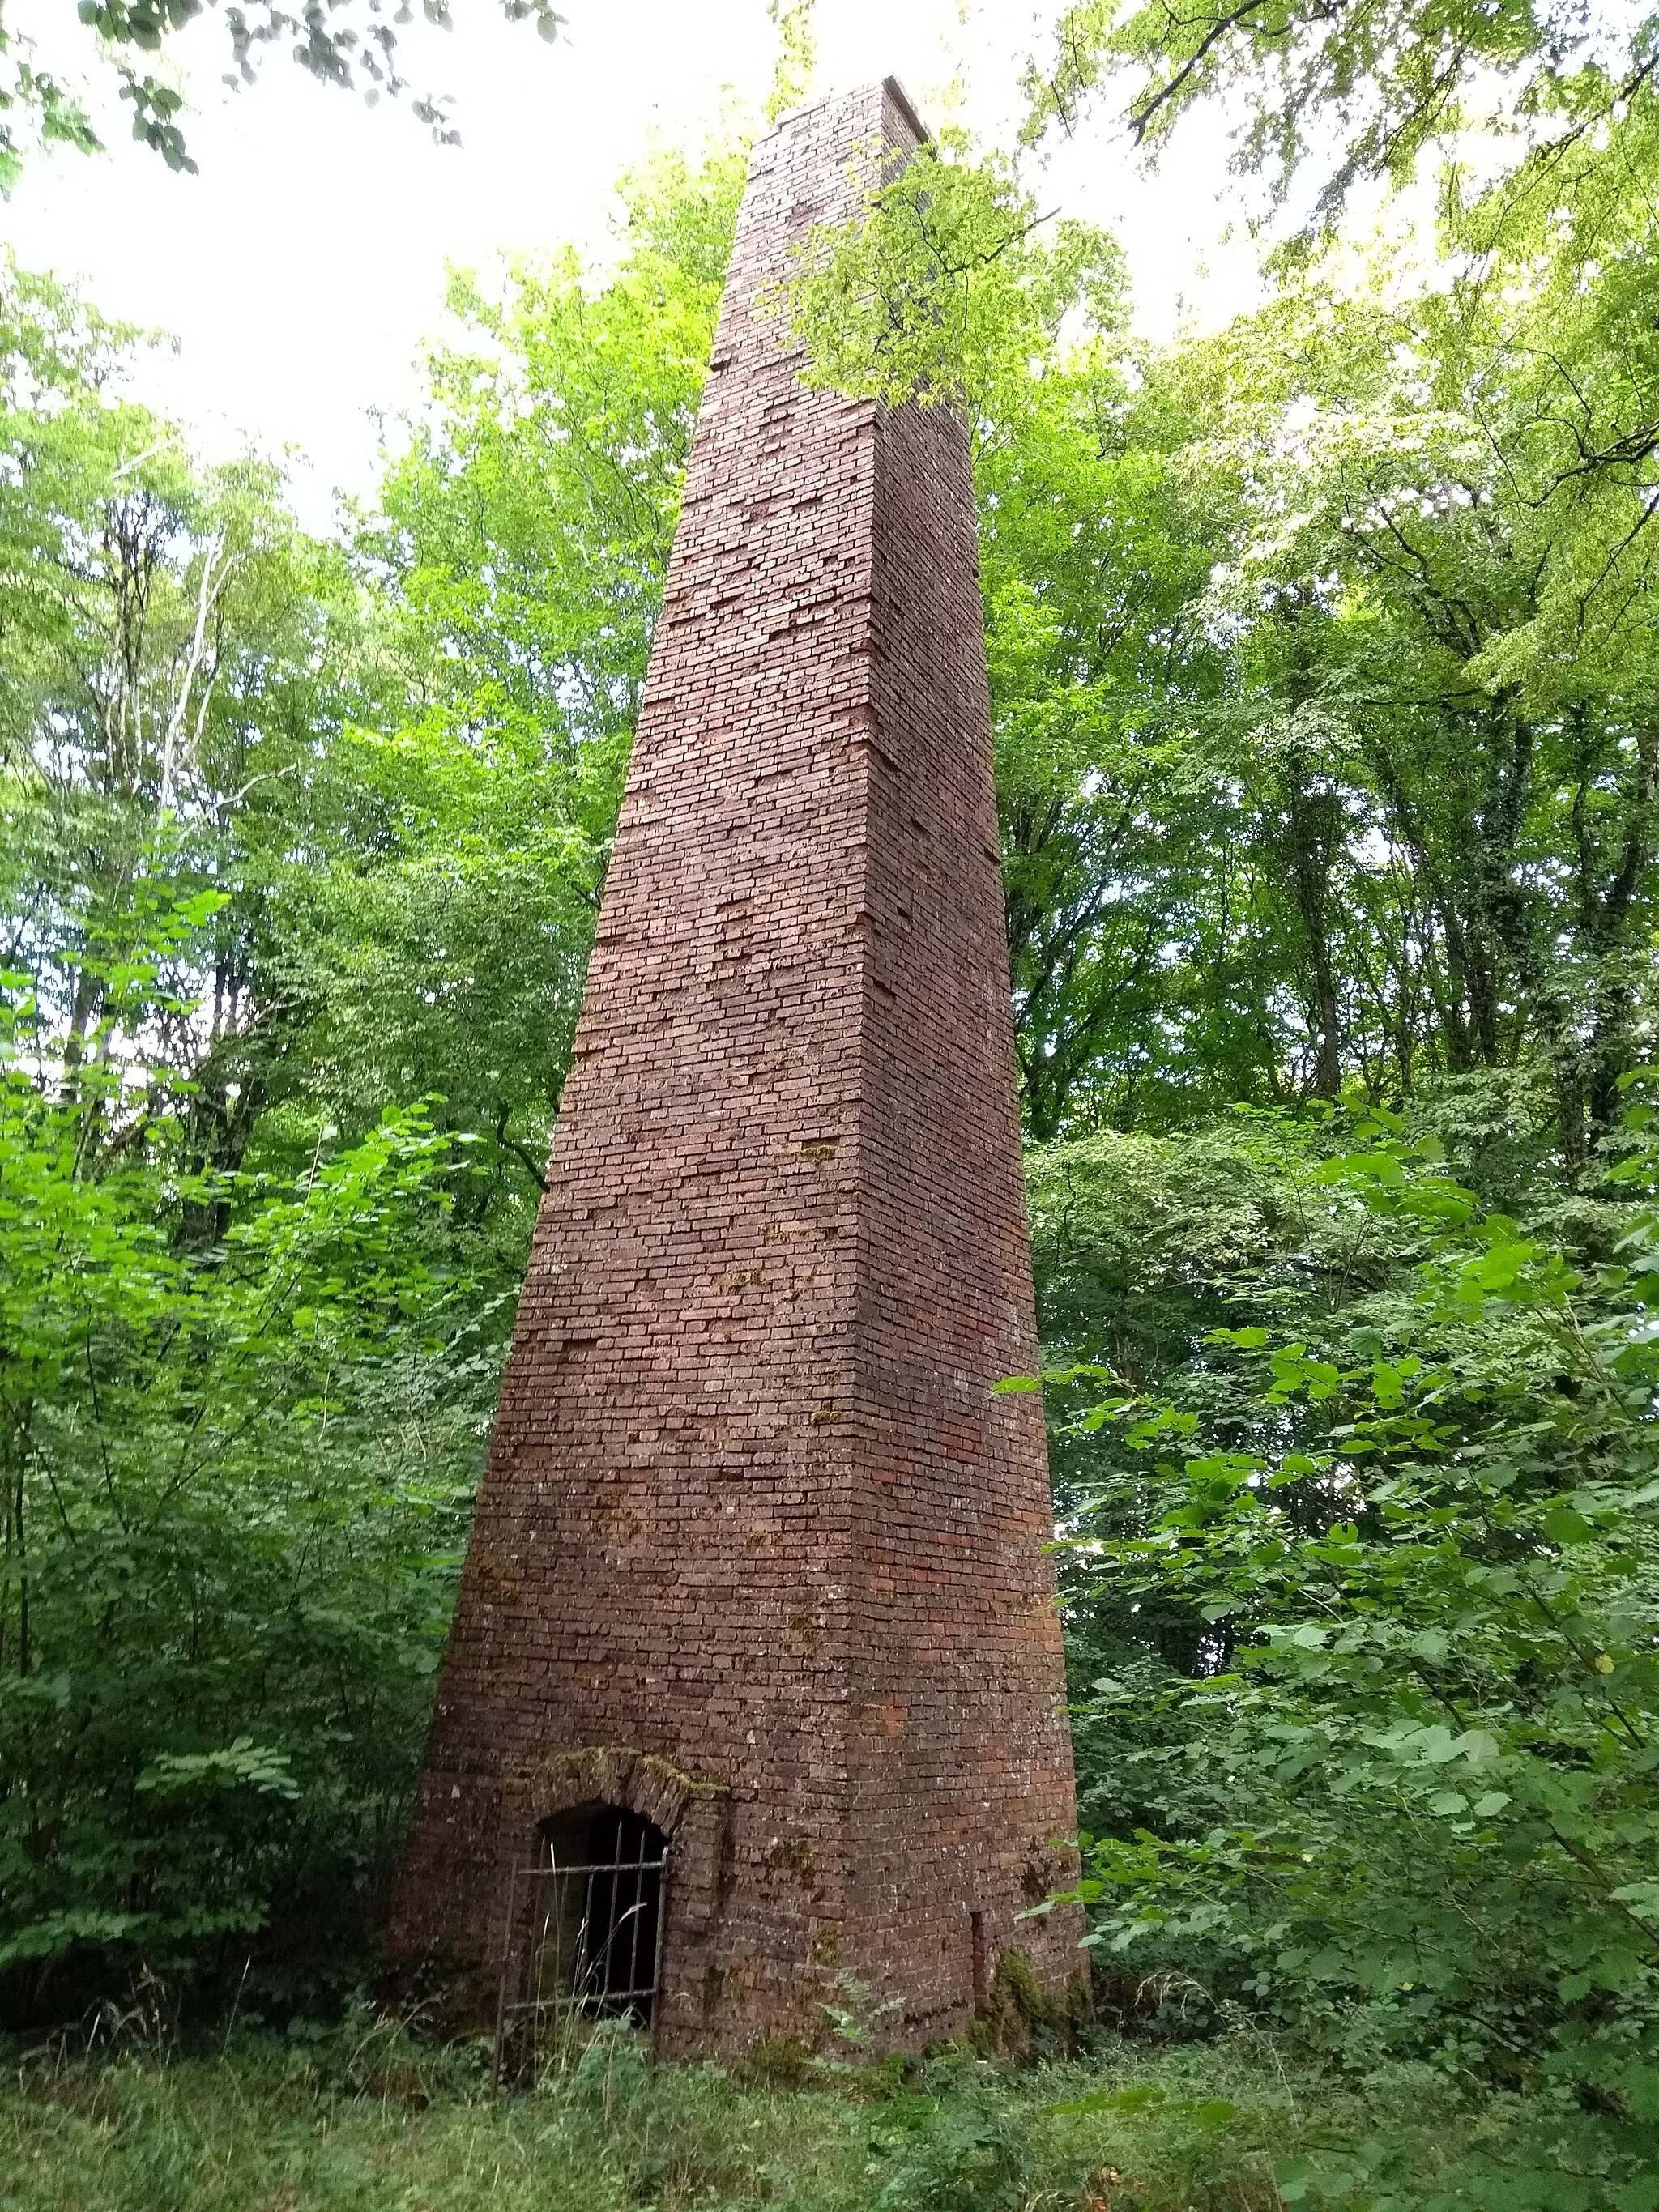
point(756, 1552)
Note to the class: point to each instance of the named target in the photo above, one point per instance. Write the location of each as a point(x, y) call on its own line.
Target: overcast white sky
point(301, 269)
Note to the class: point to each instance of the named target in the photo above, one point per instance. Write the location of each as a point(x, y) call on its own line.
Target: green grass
point(367, 2121)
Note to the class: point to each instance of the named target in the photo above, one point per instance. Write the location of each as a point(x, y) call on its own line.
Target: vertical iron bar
point(587, 1936)
point(662, 1921)
point(634, 1932)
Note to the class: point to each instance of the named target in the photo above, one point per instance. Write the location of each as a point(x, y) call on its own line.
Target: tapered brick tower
point(759, 1557)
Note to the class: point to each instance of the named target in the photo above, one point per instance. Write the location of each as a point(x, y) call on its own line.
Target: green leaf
point(1563, 1525)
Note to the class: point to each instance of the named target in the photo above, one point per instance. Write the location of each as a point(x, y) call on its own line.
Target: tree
point(1368, 1738)
point(234, 1485)
point(1433, 542)
point(515, 570)
point(1393, 78)
point(161, 620)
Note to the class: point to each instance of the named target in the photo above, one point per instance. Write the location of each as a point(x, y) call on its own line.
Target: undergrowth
point(365, 2118)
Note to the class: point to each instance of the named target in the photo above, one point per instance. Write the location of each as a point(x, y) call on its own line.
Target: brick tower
point(758, 1559)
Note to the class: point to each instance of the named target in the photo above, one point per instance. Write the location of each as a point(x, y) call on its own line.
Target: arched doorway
point(585, 1928)
point(599, 1939)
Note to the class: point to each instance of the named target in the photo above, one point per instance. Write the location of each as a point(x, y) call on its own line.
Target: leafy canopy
point(1361, 88)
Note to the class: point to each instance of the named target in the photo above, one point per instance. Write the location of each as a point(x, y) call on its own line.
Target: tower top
point(900, 100)
point(900, 108)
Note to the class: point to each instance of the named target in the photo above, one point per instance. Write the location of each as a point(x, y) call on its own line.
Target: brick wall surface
point(756, 1554)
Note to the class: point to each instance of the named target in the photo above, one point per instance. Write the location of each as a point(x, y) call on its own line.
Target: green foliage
point(35, 109)
point(1144, 1244)
point(796, 56)
point(1400, 1789)
point(352, 44)
point(235, 1488)
point(942, 289)
point(515, 566)
point(1390, 77)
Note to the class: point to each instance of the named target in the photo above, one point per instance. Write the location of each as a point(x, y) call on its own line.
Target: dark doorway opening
point(598, 1912)
point(585, 1928)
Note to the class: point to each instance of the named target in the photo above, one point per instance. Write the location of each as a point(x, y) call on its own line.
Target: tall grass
point(367, 2120)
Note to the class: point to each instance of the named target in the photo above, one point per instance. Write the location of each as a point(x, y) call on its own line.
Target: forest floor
point(373, 2124)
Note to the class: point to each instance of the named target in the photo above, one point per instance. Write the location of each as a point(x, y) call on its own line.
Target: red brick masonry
point(758, 1554)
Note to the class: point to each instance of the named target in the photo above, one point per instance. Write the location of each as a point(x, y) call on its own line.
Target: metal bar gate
point(583, 1942)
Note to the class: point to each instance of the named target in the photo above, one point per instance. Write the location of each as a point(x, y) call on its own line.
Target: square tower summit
point(758, 1570)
